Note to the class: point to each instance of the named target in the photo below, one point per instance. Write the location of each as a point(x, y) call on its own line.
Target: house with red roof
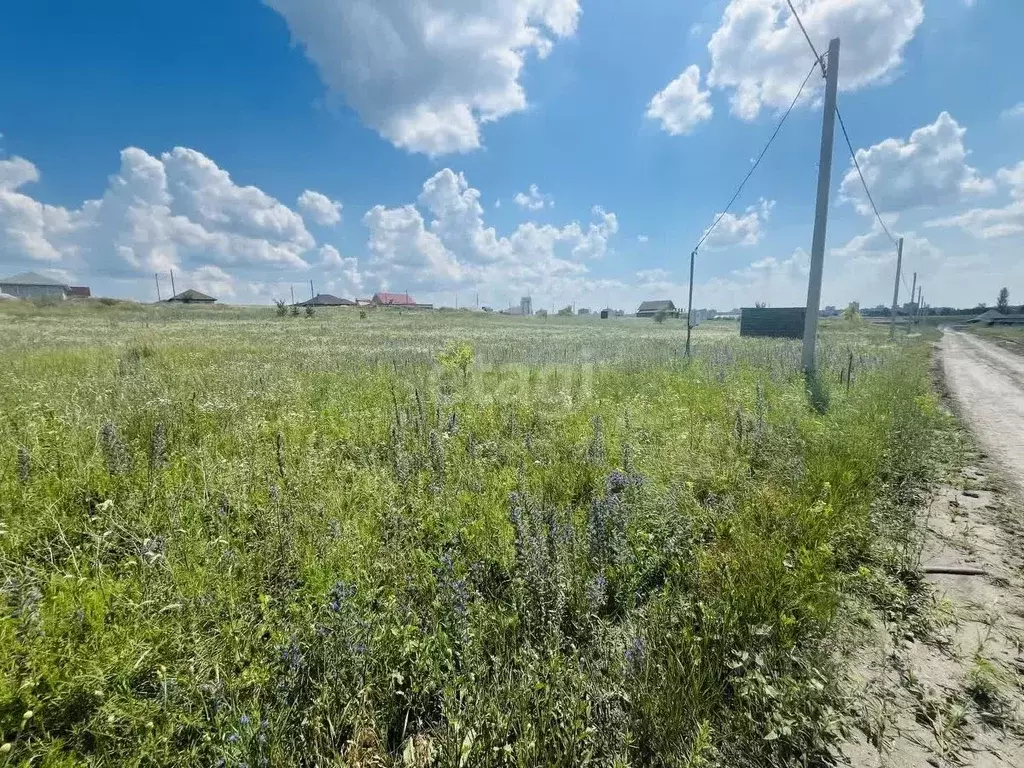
point(383, 299)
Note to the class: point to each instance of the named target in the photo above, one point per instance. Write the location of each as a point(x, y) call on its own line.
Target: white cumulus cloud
point(426, 74)
point(319, 208)
point(743, 229)
point(442, 241)
point(1014, 112)
point(682, 105)
point(176, 211)
point(533, 199)
point(928, 169)
point(760, 55)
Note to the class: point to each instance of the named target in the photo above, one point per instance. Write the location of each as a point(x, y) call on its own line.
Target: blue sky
point(417, 117)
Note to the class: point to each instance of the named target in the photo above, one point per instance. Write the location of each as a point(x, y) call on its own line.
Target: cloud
point(16, 172)
point(1014, 112)
point(759, 53)
point(929, 169)
point(320, 208)
point(746, 229)
point(427, 74)
point(178, 210)
point(342, 272)
point(987, 223)
point(682, 105)
point(442, 242)
point(533, 200)
point(642, 239)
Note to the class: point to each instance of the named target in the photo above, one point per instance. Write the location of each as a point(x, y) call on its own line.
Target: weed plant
point(416, 539)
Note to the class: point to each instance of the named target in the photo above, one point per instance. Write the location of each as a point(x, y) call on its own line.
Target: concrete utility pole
point(828, 127)
point(689, 304)
point(174, 291)
point(311, 289)
point(896, 288)
point(292, 289)
point(156, 276)
point(913, 293)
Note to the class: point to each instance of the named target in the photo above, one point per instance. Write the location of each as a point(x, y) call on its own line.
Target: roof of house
point(79, 291)
point(986, 315)
point(402, 299)
point(326, 300)
point(654, 306)
point(191, 295)
point(31, 278)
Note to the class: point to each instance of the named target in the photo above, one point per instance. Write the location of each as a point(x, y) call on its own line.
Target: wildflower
point(115, 453)
point(597, 593)
point(279, 445)
point(340, 594)
point(618, 481)
point(244, 720)
point(24, 464)
point(157, 447)
point(232, 738)
point(635, 652)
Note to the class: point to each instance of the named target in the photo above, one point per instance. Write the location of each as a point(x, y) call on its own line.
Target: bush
point(310, 311)
point(362, 314)
point(282, 308)
point(661, 316)
point(295, 310)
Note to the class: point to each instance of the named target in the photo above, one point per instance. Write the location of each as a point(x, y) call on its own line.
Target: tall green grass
point(235, 539)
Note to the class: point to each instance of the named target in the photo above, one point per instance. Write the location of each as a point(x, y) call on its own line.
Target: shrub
point(281, 308)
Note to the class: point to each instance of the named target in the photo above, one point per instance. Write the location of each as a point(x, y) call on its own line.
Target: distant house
point(651, 308)
point(326, 300)
point(32, 285)
point(397, 300)
point(192, 296)
point(993, 317)
point(393, 300)
point(79, 292)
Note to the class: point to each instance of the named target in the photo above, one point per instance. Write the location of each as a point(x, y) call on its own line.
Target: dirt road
point(988, 384)
point(947, 689)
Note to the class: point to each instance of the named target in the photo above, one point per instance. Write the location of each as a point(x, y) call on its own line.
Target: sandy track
point(988, 384)
point(923, 692)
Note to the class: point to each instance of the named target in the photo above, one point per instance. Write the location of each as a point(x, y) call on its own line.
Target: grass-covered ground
point(230, 538)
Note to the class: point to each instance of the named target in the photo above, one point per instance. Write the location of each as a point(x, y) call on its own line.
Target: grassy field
point(1008, 337)
point(230, 538)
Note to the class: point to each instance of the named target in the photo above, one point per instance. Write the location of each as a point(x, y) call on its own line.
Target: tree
point(1003, 302)
point(852, 311)
point(660, 316)
point(760, 304)
point(566, 310)
point(282, 308)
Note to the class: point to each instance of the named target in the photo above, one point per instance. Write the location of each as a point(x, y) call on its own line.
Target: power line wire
point(863, 181)
point(757, 162)
point(817, 56)
point(853, 155)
